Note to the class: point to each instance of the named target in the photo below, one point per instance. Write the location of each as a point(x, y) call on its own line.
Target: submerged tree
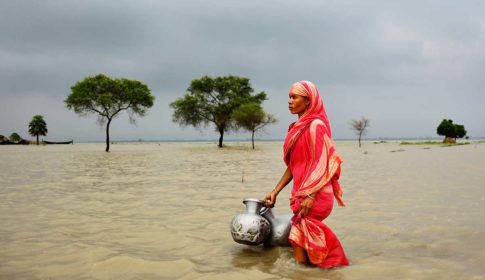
point(37, 126)
point(15, 137)
point(213, 100)
point(360, 127)
point(252, 117)
point(107, 97)
point(450, 130)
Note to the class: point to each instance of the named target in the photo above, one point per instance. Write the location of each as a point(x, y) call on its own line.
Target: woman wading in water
point(314, 166)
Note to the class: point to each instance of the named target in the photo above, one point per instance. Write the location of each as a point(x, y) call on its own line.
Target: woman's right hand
point(270, 199)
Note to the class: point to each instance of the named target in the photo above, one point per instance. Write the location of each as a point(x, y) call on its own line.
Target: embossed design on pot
point(259, 225)
point(250, 228)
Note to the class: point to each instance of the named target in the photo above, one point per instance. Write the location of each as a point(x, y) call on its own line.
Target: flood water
point(162, 211)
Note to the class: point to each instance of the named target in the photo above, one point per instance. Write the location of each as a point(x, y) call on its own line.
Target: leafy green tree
point(15, 137)
point(213, 100)
point(450, 130)
point(360, 127)
point(446, 128)
point(107, 97)
point(460, 131)
point(37, 126)
point(252, 117)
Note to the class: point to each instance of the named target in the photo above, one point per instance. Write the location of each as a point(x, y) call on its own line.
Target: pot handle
point(263, 210)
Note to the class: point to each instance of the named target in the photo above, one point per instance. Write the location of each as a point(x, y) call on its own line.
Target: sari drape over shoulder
point(310, 154)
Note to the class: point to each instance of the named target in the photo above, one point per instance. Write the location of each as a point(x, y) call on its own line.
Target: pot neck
point(253, 205)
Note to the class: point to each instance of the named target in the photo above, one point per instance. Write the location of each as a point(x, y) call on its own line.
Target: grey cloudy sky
point(405, 65)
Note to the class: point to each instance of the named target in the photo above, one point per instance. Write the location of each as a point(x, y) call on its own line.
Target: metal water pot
point(250, 228)
point(259, 225)
point(280, 228)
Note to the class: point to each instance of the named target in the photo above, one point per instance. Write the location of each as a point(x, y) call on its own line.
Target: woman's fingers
point(269, 200)
point(304, 211)
point(305, 208)
point(272, 202)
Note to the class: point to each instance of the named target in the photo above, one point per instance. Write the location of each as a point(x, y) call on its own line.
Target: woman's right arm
point(270, 198)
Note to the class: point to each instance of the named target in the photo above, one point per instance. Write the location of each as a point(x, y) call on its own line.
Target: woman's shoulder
point(318, 126)
point(317, 122)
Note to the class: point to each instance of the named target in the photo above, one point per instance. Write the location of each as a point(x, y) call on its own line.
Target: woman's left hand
point(305, 206)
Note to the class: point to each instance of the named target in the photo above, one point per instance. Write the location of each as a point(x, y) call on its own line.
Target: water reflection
point(255, 256)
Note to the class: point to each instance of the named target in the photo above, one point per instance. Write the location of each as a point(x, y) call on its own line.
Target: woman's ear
point(307, 101)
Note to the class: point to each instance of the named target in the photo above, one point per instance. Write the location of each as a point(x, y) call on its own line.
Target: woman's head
point(304, 99)
point(307, 103)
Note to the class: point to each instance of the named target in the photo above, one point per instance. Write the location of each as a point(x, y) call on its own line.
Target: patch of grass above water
point(439, 143)
point(422, 143)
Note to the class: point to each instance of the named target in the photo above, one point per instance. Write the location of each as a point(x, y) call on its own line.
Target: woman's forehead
point(298, 89)
point(296, 93)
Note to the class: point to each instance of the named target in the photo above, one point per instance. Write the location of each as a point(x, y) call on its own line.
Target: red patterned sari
point(310, 154)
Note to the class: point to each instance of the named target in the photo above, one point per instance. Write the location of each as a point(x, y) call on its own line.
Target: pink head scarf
point(316, 109)
point(325, 165)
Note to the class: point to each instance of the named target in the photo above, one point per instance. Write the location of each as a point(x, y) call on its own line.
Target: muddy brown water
point(162, 211)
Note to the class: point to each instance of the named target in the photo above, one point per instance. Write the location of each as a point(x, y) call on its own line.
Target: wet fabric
point(323, 161)
point(310, 154)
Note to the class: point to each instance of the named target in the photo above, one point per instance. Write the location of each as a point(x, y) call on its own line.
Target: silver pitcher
point(280, 228)
point(259, 225)
point(250, 228)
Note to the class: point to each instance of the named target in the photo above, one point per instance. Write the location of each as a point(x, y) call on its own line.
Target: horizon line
point(267, 140)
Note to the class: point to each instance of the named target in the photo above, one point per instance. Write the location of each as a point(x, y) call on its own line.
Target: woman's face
point(298, 104)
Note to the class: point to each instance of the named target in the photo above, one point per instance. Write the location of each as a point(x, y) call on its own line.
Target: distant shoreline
point(269, 140)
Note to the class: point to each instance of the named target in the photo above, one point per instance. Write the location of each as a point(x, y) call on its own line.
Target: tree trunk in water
point(221, 131)
point(360, 135)
point(107, 135)
point(37, 139)
point(449, 140)
point(252, 138)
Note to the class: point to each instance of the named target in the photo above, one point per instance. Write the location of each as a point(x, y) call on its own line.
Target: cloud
point(408, 63)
